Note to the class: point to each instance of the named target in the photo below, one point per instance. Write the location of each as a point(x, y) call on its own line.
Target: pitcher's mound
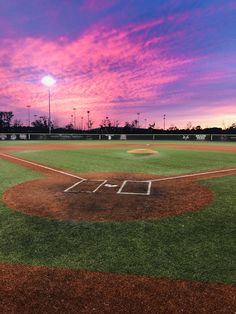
point(142, 151)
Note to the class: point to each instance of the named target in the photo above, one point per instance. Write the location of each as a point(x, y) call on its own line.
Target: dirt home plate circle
point(106, 197)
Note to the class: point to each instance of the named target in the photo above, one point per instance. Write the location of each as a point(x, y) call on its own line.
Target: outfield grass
point(168, 161)
point(197, 246)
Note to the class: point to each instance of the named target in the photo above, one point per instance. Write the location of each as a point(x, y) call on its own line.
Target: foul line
point(44, 167)
point(193, 175)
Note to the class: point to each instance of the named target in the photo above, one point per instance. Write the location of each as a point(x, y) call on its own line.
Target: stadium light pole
point(28, 106)
point(138, 114)
point(164, 120)
point(88, 112)
point(82, 123)
point(74, 109)
point(49, 81)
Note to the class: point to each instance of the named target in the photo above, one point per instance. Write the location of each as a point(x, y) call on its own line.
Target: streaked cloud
point(172, 63)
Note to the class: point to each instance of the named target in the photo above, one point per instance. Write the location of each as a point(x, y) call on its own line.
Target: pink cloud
point(93, 71)
point(103, 71)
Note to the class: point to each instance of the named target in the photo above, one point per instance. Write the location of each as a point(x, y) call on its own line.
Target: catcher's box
point(123, 187)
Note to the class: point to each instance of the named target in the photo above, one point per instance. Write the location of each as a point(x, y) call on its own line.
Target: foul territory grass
point(166, 162)
point(196, 246)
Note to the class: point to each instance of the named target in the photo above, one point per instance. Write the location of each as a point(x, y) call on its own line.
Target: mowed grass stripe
point(198, 246)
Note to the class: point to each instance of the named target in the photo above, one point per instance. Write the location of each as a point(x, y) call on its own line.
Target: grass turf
point(168, 161)
point(197, 246)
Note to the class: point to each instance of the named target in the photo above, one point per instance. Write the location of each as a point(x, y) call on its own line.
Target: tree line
point(107, 126)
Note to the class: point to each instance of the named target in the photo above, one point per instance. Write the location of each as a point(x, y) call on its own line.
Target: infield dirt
point(46, 197)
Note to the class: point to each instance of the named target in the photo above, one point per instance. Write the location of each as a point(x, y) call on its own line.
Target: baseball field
point(88, 227)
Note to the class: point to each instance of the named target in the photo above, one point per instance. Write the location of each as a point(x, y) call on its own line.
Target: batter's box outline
point(70, 188)
point(149, 182)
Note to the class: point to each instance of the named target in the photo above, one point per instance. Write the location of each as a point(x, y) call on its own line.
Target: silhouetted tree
point(116, 123)
point(41, 123)
point(127, 125)
point(5, 119)
point(152, 126)
point(189, 126)
point(233, 126)
point(17, 124)
point(106, 123)
point(69, 126)
point(173, 127)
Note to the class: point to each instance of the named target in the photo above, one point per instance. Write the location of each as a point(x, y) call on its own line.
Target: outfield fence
point(148, 137)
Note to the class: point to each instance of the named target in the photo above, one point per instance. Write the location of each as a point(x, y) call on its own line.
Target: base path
point(76, 146)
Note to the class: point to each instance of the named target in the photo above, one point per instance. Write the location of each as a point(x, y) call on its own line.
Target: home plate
point(111, 185)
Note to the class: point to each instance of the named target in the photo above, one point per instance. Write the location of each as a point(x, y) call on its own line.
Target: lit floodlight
point(48, 80)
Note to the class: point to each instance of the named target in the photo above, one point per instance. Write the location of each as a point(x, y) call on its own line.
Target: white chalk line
point(100, 185)
point(73, 186)
point(41, 166)
point(68, 190)
point(171, 178)
point(193, 175)
point(120, 191)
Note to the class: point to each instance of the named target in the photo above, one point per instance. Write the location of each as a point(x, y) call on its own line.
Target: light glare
point(48, 80)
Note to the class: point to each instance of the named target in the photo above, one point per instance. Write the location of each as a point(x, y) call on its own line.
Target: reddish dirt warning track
point(75, 146)
point(31, 289)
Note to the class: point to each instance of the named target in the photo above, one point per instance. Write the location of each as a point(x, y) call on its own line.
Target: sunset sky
point(116, 58)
